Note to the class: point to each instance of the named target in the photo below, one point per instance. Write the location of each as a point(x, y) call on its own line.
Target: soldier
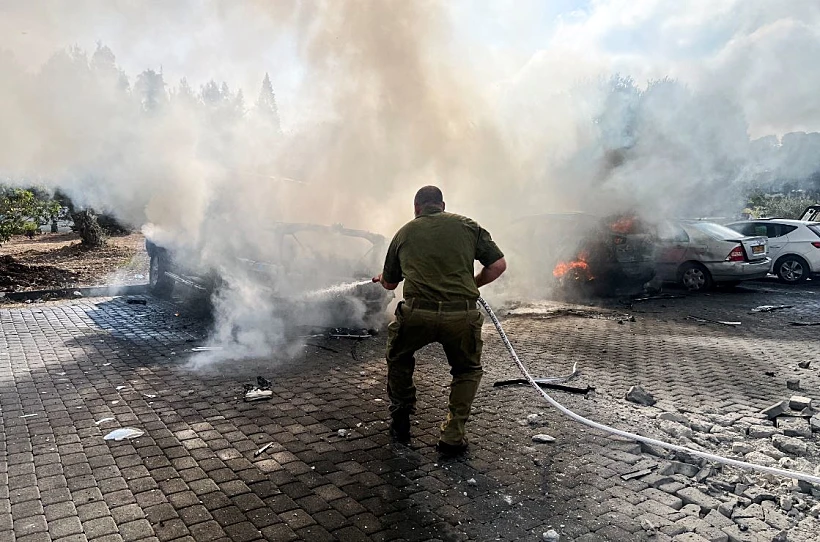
point(434, 254)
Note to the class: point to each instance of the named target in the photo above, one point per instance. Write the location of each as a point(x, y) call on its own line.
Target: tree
point(22, 211)
point(266, 105)
point(150, 89)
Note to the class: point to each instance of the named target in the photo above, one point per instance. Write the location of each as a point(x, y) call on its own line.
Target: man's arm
point(386, 285)
point(490, 272)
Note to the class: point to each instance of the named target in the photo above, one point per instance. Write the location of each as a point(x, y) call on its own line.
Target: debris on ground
point(103, 421)
point(472, 482)
point(262, 450)
point(793, 384)
point(343, 433)
point(206, 349)
point(710, 321)
point(543, 438)
point(550, 536)
point(260, 391)
point(637, 474)
point(804, 364)
point(637, 394)
point(771, 308)
point(804, 323)
point(124, 433)
point(799, 402)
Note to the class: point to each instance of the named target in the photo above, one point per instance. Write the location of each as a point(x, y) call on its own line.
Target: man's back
point(435, 254)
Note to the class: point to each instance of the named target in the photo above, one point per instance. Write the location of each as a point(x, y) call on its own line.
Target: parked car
point(794, 245)
point(699, 254)
point(581, 253)
point(297, 268)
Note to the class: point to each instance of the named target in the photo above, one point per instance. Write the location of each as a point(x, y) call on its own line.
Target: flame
point(579, 269)
point(625, 224)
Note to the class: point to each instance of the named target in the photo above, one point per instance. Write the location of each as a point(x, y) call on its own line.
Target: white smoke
point(511, 107)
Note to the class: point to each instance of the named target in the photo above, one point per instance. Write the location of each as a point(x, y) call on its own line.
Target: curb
point(68, 293)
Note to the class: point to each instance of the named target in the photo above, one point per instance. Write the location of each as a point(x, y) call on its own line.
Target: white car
point(794, 245)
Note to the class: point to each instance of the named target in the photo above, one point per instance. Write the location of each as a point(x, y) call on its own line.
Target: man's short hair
point(428, 195)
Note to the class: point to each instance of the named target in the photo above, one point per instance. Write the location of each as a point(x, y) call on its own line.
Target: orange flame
point(579, 267)
point(624, 224)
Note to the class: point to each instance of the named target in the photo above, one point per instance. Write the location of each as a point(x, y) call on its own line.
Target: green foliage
point(20, 210)
point(779, 205)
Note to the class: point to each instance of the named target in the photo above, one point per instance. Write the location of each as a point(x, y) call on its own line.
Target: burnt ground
point(65, 366)
point(58, 260)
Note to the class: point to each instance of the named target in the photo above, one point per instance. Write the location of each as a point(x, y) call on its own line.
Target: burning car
point(584, 254)
point(314, 275)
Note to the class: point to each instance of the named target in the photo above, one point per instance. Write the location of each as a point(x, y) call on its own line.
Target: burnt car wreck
point(313, 276)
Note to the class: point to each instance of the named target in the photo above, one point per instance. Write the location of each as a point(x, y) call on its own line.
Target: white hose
point(578, 418)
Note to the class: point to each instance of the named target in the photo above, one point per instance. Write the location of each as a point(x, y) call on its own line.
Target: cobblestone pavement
point(72, 371)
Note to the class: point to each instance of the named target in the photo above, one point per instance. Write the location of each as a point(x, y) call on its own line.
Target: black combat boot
point(400, 427)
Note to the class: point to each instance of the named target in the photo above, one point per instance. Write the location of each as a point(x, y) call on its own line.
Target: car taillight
point(736, 255)
point(815, 244)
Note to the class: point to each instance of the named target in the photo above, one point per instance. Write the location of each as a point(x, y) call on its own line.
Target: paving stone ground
point(72, 371)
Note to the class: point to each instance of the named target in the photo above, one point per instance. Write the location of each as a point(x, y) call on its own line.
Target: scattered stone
point(675, 417)
point(814, 422)
point(751, 511)
point(785, 502)
point(342, 432)
point(761, 431)
point(550, 536)
point(637, 394)
point(808, 412)
point(776, 409)
point(648, 526)
point(757, 494)
point(543, 439)
point(793, 384)
point(636, 474)
point(782, 536)
point(790, 445)
point(685, 469)
point(691, 510)
point(536, 420)
point(727, 508)
point(671, 487)
point(807, 487)
point(794, 427)
point(703, 474)
point(692, 495)
point(799, 402)
point(759, 458)
point(742, 448)
point(701, 426)
point(77, 293)
point(675, 429)
point(804, 364)
point(815, 511)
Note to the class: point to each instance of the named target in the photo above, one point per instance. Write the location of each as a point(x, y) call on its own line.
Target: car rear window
point(815, 229)
point(715, 230)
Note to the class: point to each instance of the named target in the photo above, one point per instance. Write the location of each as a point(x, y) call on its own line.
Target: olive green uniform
point(434, 254)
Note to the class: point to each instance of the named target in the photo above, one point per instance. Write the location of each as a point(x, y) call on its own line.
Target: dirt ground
point(58, 260)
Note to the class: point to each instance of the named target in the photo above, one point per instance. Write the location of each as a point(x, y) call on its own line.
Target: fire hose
point(632, 436)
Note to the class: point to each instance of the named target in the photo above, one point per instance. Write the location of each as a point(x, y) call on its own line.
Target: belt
point(443, 306)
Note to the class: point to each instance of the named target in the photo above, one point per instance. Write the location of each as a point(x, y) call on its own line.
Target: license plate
point(759, 249)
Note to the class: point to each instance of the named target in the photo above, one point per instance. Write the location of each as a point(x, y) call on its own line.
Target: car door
point(672, 250)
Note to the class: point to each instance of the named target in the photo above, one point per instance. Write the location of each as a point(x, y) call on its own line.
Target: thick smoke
point(643, 105)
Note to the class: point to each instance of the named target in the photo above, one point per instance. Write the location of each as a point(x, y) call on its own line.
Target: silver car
point(700, 254)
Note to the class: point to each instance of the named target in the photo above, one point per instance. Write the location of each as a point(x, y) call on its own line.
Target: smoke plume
point(513, 108)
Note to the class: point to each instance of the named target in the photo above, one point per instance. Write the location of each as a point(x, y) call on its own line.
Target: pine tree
point(150, 89)
point(266, 105)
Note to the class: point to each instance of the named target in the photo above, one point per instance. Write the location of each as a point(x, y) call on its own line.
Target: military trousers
point(458, 330)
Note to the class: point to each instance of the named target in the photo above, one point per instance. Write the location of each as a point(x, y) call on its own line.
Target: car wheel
point(158, 283)
point(695, 277)
point(792, 269)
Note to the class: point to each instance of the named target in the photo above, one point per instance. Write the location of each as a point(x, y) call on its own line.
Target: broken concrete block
point(789, 445)
point(761, 431)
point(794, 427)
point(703, 474)
point(814, 423)
point(776, 409)
point(716, 519)
point(808, 412)
point(742, 448)
point(550, 536)
point(637, 394)
point(759, 458)
point(804, 364)
point(675, 417)
point(692, 495)
point(757, 494)
point(799, 402)
point(685, 469)
point(543, 439)
point(793, 384)
point(785, 502)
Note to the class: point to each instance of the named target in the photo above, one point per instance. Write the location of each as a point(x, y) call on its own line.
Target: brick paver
point(71, 371)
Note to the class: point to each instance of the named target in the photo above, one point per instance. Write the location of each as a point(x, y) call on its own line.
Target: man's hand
point(386, 285)
point(491, 272)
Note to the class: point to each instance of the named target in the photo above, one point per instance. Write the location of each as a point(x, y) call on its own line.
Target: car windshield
point(715, 230)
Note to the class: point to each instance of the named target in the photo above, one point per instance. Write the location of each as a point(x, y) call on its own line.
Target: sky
point(759, 51)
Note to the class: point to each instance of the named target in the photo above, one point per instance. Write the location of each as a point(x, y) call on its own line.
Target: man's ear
point(443, 205)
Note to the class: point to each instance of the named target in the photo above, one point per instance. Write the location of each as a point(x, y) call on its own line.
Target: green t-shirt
point(435, 255)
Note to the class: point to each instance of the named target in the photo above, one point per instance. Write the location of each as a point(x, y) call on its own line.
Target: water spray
point(336, 290)
point(632, 436)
